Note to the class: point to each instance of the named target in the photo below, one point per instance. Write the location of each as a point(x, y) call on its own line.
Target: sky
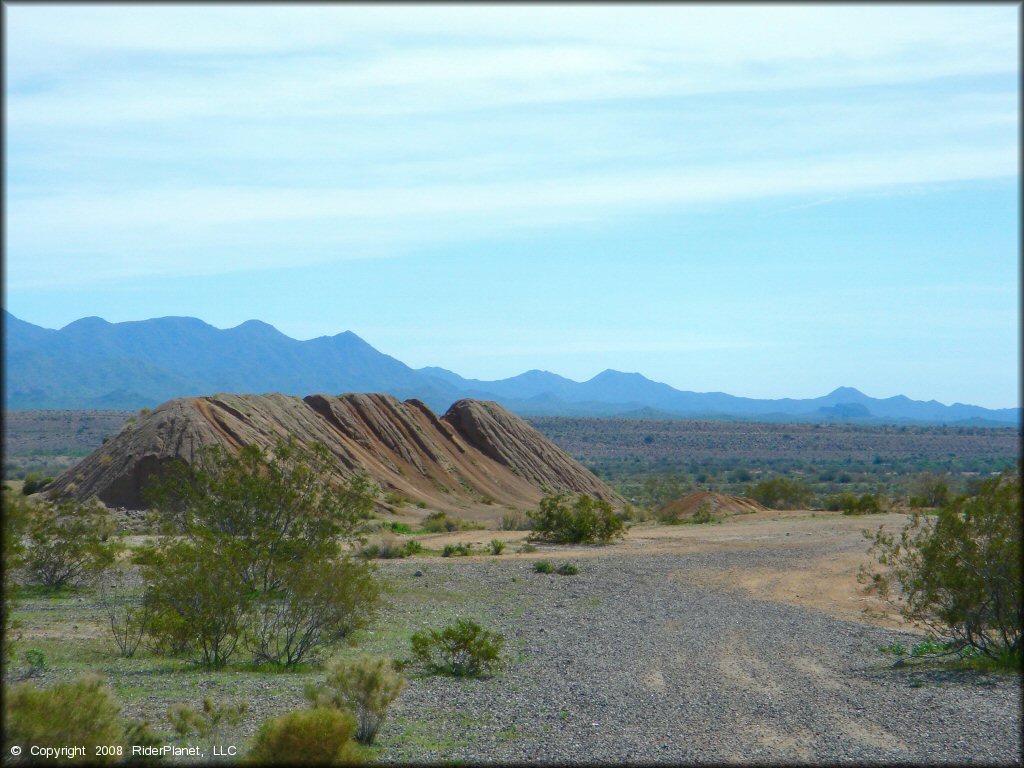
point(765, 200)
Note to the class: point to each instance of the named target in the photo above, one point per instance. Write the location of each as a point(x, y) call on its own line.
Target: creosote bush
point(366, 686)
point(497, 546)
point(258, 562)
point(543, 566)
point(781, 493)
point(462, 649)
point(585, 521)
point(208, 723)
point(82, 712)
point(457, 550)
point(321, 736)
point(68, 543)
point(34, 482)
point(959, 573)
point(515, 521)
point(442, 522)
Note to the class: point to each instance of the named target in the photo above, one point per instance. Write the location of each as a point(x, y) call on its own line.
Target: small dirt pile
point(709, 503)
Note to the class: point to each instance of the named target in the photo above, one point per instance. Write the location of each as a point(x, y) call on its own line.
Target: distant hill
point(93, 364)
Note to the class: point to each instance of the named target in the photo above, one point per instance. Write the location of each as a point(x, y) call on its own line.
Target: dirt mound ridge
point(717, 504)
point(478, 457)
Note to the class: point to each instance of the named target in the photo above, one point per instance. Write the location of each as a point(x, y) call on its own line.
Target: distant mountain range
point(93, 364)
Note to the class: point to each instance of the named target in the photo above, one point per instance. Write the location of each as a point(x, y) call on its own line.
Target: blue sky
point(764, 200)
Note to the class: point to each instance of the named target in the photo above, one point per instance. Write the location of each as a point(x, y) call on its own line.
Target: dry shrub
point(367, 686)
point(321, 736)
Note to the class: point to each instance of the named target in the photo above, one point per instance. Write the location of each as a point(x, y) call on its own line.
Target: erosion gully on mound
point(478, 458)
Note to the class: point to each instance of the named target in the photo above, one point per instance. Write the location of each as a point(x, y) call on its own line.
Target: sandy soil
point(826, 582)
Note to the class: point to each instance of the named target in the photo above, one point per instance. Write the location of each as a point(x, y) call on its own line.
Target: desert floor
point(743, 641)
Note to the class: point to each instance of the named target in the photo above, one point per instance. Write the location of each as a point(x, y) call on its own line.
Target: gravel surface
point(632, 660)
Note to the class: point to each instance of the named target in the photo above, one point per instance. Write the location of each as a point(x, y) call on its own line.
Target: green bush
point(497, 546)
point(318, 605)
point(391, 547)
point(442, 522)
point(209, 723)
point(456, 550)
point(67, 543)
point(461, 649)
point(35, 660)
point(515, 521)
point(321, 736)
point(929, 490)
point(198, 603)
point(567, 569)
point(258, 561)
point(781, 493)
point(865, 504)
point(586, 521)
point(959, 573)
point(34, 482)
point(83, 712)
point(543, 566)
point(527, 548)
point(366, 686)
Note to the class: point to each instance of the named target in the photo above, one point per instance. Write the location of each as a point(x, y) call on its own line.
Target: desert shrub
point(442, 522)
point(396, 527)
point(567, 569)
point(67, 543)
point(366, 686)
point(865, 504)
point(781, 493)
point(543, 566)
point(703, 514)
point(515, 521)
point(198, 602)
point(395, 499)
point(259, 556)
point(72, 713)
point(929, 490)
point(585, 521)
point(35, 662)
point(208, 723)
point(497, 546)
point(959, 573)
point(456, 550)
point(391, 547)
point(461, 649)
point(145, 554)
point(127, 615)
point(15, 521)
point(317, 605)
point(321, 736)
point(527, 548)
point(34, 482)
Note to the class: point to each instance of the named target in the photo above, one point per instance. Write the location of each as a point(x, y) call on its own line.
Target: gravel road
point(634, 660)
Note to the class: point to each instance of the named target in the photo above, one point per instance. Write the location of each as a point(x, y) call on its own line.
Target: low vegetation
point(959, 572)
point(257, 562)
point(366, 687)
point(585, 520)
point(321, 736)
point(462, 649)
point(68, 543)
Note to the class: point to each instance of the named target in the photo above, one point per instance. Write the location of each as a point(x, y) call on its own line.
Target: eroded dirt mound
point(477, 456)
point(718, 504)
